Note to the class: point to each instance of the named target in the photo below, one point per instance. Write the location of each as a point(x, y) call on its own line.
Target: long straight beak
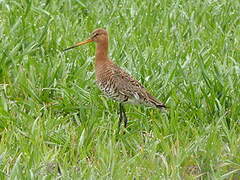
point(78, 44)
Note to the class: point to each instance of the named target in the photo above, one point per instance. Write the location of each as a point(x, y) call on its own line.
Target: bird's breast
point(111, 91)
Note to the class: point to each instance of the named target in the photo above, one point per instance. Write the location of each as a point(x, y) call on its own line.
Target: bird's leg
point(120, 115)
point(124, 117)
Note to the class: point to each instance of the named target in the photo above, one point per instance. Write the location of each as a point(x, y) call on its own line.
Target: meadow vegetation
point(55, 123)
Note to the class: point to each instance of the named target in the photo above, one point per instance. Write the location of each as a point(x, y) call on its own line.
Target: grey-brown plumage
point(114, 81)
point(120, 86)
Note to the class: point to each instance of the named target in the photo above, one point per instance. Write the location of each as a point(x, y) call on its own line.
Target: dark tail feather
point(160, 106)
point(156, 103)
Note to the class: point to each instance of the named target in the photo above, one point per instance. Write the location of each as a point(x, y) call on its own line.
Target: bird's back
point(120, 86)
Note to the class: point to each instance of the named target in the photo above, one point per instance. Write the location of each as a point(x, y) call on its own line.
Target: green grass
point(54, 118)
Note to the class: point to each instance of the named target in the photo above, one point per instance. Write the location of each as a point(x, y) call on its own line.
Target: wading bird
point(114, 81)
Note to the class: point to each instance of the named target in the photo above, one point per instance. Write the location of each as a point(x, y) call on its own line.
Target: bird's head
point(98, 36)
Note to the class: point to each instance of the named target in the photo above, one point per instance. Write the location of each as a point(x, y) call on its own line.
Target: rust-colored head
point(98, 36)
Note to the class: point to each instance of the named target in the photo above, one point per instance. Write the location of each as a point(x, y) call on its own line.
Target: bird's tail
point(156, 103)
point(160, 106)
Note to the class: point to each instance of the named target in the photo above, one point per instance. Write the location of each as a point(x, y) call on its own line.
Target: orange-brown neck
point(102, 52)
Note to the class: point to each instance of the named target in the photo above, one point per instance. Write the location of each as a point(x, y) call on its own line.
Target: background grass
point(54, 121)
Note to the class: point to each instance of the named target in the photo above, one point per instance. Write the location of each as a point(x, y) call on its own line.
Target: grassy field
point(55, 123)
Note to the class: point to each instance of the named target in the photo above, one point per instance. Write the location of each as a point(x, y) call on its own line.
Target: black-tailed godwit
point(114, 81)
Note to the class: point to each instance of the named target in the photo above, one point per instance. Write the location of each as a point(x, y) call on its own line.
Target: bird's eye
point(95, 34)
